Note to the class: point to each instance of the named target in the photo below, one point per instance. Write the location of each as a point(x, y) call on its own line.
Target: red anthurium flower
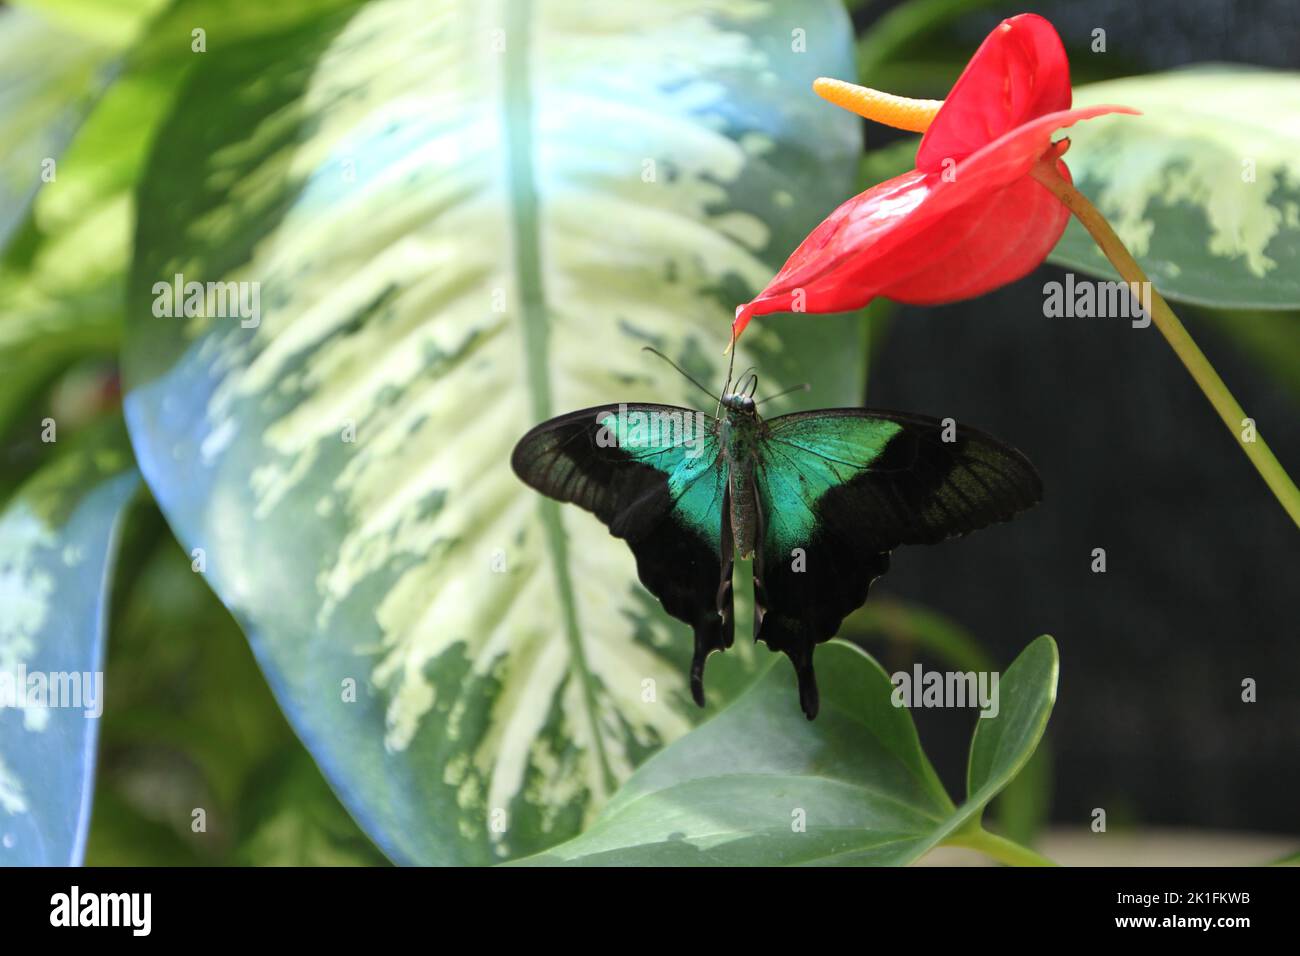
point(969, 217)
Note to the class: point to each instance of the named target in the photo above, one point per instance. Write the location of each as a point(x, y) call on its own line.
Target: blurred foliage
point(193, 725)
point(1269, 339)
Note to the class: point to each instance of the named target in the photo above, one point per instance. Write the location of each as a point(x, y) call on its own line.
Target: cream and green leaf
point(464, 218)
point(761, 785)
point(1203, 187)
point(58, 539)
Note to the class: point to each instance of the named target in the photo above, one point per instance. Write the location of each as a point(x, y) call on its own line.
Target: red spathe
point(969, 217)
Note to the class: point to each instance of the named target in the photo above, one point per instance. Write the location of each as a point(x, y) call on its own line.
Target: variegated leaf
point(462, 218)
point(58, 538)
point(1203, 187)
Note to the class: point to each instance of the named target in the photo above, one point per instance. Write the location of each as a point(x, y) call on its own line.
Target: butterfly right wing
point(838, 489)
point(663, 489)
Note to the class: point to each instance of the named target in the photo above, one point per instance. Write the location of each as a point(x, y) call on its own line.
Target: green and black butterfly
point(818, 500)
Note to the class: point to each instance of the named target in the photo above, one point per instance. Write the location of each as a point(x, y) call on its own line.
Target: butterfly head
point(741, 399)
point(737, 402)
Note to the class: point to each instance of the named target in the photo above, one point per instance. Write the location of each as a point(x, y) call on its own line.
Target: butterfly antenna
point(743, 381)
point(805, 387)
point(646, 348)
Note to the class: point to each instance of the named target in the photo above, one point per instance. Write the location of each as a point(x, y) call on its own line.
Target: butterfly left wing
point(663, 489)
point(838, 489)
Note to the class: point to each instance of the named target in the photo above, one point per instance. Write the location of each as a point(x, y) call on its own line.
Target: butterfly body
point(740, 429)
point(817, 500)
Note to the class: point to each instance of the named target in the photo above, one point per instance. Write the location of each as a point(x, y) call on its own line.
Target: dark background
point(1201, 585)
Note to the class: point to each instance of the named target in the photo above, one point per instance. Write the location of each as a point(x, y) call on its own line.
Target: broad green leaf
point(761, 785)
point(1203, 187)
point(463, 219)
point(57, 543)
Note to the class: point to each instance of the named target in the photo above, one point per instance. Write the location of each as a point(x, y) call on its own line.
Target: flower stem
point(1000, 848)
point(1265, 462)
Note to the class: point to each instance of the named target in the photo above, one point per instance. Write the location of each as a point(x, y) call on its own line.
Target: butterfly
point(817, 499)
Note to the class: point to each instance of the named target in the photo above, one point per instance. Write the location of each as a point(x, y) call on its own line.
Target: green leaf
point(457, 233)
point(733, 791)
point(1021, 807)
point(57, 544)
point(1203, 187)
point(61, 276)
point(62, 279)
point(1001, 746)
point(115, 22)
point(48, 79)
